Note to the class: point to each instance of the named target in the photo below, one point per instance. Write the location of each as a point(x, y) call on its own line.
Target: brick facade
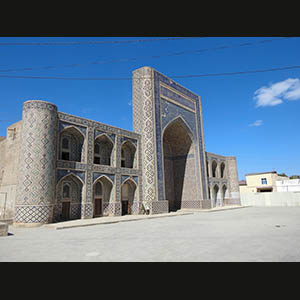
point(160, 166)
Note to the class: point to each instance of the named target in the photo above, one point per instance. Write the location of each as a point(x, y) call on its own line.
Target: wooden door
point(124, 207)
point(98, 207)
point(65, 210)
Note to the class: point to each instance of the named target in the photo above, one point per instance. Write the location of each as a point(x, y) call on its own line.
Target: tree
point(295, 177)
point(282, 174)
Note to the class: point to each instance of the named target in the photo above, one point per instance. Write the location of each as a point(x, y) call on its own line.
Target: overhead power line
point(175, 76)
point(197, 51)
point(95, 42)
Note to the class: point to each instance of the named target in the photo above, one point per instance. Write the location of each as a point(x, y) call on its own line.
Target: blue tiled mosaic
point(99, 132)
point(63, 125)
point(170, 94)
point(170, 111)
point(125, 138)
point(61, 173)
point(125, 177)
point(96, 175)
point(201, 150)
point(165, 112)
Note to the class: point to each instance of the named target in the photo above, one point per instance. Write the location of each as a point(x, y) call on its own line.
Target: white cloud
point(257, 123)
point(276, 93)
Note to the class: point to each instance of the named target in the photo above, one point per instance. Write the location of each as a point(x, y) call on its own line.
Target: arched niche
point(71, 142)
point(179, 164)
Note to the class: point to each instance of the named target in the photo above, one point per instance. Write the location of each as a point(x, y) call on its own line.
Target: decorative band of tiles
point(33, 213)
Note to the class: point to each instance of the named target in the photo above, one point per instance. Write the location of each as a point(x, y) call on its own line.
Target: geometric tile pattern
point(33, 214)
point(191, 204)
point(158, 207)
point(144, 124)
point(157, 102)
point(75, 197)
point(37, 166)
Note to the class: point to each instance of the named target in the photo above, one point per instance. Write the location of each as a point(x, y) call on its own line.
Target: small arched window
point(97, 148)
point(128, 150)
point(122, 158)
point(97, 158)
point(214, 168)
point(66, 191)
point(222, 168)
point(98, 189)
point(71, 144)
point(65, 143)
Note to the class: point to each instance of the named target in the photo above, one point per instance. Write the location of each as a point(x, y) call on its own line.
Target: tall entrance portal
point(179, 165)
point(169, 119)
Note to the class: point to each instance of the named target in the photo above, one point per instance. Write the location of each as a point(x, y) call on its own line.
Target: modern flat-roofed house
point(260, 182)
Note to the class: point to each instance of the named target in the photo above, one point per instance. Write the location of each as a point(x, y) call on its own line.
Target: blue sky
point(254, 117)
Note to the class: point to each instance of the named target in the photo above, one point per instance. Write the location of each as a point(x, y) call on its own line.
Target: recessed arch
point(71, 141)
point(106, 177)
point(131, 181)
point(183, 123)
point(72, 127)
point(222, 169)
point(128, 154)
point(179, 163)
point(103, 150)
point(216, 194)
point(214, 168)
point(102, 199)
point(70, 174)
point(106, 135)
point(128, 141)
point(68, 198)
point(128, 196)
point(223, 194)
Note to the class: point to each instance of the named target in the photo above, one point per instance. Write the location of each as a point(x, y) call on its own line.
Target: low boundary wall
point(271, 199)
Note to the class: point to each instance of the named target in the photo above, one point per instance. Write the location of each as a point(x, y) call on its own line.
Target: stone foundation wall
point(3, 229)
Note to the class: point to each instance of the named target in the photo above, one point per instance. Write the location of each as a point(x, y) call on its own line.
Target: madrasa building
point(55, 166)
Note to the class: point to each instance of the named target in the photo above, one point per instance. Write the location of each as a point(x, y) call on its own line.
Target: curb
point(222, 209)
point(103, 222)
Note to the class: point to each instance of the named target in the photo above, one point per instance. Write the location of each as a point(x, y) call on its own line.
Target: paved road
point(247, 234)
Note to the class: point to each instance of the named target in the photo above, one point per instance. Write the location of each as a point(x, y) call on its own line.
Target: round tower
point(37, 165)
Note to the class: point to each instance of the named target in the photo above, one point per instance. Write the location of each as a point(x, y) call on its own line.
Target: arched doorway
point(127, 196)
point(98, 197)
point(216, 195)
point(69, 198)
point(224, 189)
point(179, 164)
point(101, 196)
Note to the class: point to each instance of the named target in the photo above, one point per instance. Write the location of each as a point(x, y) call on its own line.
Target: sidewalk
point(127, 218)
point(219, 208)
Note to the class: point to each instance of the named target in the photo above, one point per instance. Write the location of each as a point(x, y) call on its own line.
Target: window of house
point(65, 145)
point(66, 191)
point(122, 159)
point(98, 189)
point(97, 154)
point(264, 181)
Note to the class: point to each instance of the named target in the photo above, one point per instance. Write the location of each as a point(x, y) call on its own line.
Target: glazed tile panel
point(36, 182)
point(166, 111)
